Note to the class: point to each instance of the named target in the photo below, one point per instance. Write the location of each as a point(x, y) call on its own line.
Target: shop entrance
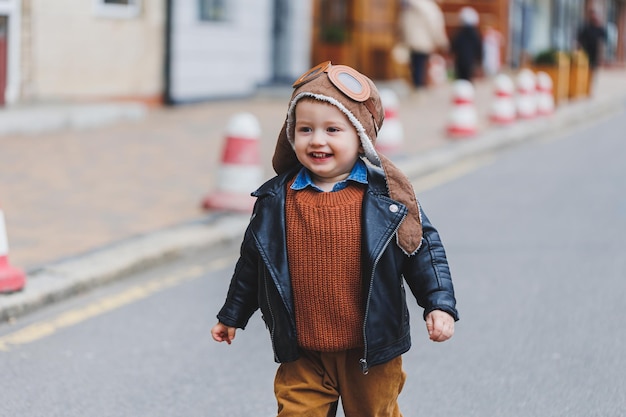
point(280, 42)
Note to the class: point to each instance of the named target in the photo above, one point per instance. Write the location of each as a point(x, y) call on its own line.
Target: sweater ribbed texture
point(324, 254)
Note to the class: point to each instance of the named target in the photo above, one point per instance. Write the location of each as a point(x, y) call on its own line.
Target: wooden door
point(358, 33)
point(374, 36)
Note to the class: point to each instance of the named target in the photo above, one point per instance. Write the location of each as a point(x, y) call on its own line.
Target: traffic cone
point(240, 171)
point(526, 99)
point(11, 279)
point(391, 135)
point(503, 108)
point(463, 119)
point(545, 99)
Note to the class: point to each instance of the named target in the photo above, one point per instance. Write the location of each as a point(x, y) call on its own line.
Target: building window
point(212, 10)
point(334, 21)
point(118, 9)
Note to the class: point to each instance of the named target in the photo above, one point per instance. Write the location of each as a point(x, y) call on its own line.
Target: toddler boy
point(332, 239)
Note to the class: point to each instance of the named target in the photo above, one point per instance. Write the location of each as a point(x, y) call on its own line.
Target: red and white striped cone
point(503, 110)
point(463, 119)
point(11, 279)
point(526, 98)
point(240, 171)
point(391, 136)
point(545, 99)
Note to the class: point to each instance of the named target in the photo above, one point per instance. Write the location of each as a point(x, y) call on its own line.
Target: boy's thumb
point(231, 334)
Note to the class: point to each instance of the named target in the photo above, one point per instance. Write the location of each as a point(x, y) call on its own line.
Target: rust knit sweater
point(324, 254)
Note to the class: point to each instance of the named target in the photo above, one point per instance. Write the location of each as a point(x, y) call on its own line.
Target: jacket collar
point(375, 178)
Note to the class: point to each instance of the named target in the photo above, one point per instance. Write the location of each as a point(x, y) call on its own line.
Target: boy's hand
point(223, 333)
point(440, 325)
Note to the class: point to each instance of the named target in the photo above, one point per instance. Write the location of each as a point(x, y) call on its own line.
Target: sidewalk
point(86, 205)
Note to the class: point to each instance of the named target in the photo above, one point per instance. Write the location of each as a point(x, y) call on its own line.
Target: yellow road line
point(451, 173)
point(69, 318)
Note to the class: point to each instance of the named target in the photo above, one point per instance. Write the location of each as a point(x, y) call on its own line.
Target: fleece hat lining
point(368, 147)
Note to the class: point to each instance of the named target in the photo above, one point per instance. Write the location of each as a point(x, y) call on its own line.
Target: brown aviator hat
point(357, 97)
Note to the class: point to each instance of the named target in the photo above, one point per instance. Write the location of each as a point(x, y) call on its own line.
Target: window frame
point(117, 11)
point(204, 19)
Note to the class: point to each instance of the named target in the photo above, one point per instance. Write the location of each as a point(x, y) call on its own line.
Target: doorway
point(281, 43)
point(4, 30)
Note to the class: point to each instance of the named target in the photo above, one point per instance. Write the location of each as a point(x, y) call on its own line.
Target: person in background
point(467, 45)
point(492, 42)
point(591, 38)
point(422, 28)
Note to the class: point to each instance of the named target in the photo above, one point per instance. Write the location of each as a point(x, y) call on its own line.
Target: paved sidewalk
point(85, 205)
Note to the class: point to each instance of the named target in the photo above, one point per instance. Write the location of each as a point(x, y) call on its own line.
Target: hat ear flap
point(379, 114)
point(284, 157)
point(400, 188)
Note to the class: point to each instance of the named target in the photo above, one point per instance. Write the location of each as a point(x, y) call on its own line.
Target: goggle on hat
point(357, 97)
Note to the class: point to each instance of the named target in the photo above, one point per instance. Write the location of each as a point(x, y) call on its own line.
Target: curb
point(52, 117)
point(68, 277)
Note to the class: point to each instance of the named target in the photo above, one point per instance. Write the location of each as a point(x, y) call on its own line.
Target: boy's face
point(325, 141)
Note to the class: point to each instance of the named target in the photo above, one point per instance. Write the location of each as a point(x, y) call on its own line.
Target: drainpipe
point(621, 30)
point(167, 66)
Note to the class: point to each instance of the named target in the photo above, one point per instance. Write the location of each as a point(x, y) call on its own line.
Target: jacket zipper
point(363, 361)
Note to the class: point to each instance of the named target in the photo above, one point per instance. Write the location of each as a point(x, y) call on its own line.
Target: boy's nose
point(318, 138)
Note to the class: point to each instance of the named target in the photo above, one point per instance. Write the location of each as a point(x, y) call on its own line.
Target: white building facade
point(92, 49)
point(220, 49)
point(153, 51)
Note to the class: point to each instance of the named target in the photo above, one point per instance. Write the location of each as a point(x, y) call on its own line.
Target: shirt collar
point(358, 174)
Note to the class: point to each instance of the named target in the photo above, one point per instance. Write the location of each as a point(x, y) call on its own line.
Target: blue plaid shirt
point(358, 174)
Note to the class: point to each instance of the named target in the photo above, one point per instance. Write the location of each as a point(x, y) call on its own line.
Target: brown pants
point(312, 385)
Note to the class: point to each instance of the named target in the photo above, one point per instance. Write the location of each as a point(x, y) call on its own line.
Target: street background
point(113, 119)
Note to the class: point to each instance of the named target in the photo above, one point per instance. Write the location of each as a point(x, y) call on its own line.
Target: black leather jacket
point(261, 277)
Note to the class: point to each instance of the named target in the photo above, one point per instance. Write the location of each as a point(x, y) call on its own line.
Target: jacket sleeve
point(428, 273)
point(242, 298)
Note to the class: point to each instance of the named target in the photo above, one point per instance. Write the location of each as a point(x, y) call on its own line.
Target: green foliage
point(547, 57)
point(334, 34)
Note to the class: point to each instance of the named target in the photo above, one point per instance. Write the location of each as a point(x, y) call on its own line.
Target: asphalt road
point(535, 237)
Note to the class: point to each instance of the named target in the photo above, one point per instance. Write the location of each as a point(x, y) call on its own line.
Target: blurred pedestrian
point(591, 38)
point(423, 31)
point(325, 254)
point(467, 45)
point(492, 42)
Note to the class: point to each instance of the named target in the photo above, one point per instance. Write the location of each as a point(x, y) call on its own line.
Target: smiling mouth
point(320, 155)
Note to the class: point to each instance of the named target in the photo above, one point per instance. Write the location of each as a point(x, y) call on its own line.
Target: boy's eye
point(304, 129)
point(332, 129)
